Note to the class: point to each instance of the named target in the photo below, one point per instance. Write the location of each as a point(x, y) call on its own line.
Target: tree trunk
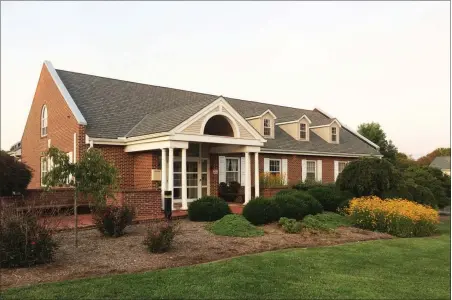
point(75, 217)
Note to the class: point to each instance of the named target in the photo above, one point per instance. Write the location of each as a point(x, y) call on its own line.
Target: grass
point(234, 225)
point(411, 268)
point(326, 221)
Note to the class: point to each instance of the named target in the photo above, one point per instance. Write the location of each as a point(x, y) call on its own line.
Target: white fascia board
point(64, 92)
point(295, 121)
point(262, 114)
point(328, 125)
point(234, 149)
point(353, 131)
point(313, 153)
point(216, 139)
point(156, 145)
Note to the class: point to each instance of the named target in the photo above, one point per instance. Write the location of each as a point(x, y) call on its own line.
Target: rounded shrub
point(111, 220)
point(235, 225)
point(208, 208)
point(422, 195)
point(24, 241)
point(368, 176)
point(298, 205)
point(330, 197)
point(286, 192)
point(261, 211)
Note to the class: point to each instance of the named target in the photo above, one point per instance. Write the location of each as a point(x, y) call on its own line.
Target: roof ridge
point(140, 83)
point(311, 110)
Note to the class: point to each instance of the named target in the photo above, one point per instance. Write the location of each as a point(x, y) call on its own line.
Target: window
point(334, 134)
point(311, 170)
point(44, 121)
point(232, 169)
point(341, 166)
point(303, 133)
point(274, 167)
point(267, 127)
point(44, 169)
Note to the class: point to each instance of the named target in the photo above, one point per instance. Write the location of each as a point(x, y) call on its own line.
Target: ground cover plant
point(234, 225)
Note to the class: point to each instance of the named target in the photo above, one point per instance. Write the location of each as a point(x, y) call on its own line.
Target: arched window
point(44, 121)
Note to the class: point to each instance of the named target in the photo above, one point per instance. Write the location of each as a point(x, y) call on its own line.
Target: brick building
point(167, 139)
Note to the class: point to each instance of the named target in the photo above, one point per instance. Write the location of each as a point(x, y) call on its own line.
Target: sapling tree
point(92, 176)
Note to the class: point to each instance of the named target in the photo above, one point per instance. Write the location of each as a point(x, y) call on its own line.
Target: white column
point(256, 174)
point(171, 174)
point(247, 177)
point(164, 176)
point(184, 179)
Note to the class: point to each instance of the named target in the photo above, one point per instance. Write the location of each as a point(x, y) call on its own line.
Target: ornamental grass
point(399, 217)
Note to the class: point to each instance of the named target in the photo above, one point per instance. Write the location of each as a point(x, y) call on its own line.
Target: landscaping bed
point(98, 255)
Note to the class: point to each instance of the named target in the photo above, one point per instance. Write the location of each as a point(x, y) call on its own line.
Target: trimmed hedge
point(261, 211)
point(298, 205)
point(208, 208)
point(329, 196)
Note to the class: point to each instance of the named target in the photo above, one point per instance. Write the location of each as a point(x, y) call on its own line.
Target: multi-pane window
point(303, 134)
point(44, 121)
point(274, 166)
point(44, 168)
point(333, 134)
point(311, 170)
point(232, 169)
point(267, 127)
point(341, 166)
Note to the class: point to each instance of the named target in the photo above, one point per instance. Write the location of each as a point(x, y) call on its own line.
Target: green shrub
point(297, 205)
point(208, 208)
point(111, 220)
point(160, 236)
point(368, 176)
point(290, 225)
point(286, 192)
point(329, 196)
point(14, 176)
point(421, 194)
point(235, 225)
point(332, 220)
point(307, 185)
point(261, 211)
point(24, 241)
point(313, 223)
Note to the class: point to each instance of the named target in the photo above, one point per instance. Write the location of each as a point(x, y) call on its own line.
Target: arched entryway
point(219, 125)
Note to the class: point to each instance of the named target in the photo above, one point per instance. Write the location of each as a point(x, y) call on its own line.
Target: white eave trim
point(328, 125)
point(64, 92)
point(353, 131)
point(314, 153)
point(262, 114)
point(296, 121)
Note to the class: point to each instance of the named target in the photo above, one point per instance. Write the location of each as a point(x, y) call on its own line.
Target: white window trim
point(315, 169)
point(280, 165)
point(44, 120)
point(338, 165)
point(238, 169)
point(271, 127)
point(337, 135)
point(42, 171)
point(307, 131)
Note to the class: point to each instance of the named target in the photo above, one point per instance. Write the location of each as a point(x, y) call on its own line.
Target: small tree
point(369, 176)
point(91, 176)
point(14, 175)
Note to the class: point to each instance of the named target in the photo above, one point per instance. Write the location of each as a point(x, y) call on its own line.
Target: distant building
point(16, 150)
point(442, 163)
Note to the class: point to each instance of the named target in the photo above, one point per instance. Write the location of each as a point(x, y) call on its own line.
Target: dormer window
point(267, 127)
point(304, 133)
point(44, 121)
point(333, 134)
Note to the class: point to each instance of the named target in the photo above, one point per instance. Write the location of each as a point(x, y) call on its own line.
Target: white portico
point(186, 152)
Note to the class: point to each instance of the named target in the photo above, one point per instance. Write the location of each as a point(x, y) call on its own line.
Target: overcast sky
point(386, 62)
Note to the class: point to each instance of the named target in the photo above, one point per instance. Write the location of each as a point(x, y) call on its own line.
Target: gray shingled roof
point(116, 108)
point(441, 162)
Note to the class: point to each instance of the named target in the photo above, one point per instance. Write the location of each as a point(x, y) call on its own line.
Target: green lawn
point(416, 268)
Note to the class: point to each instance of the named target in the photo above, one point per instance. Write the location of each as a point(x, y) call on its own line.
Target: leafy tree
point(427, 159)
point(375, 133)
point(369, 176)
point(91, 176)
point(14, 175)
point(404, 161)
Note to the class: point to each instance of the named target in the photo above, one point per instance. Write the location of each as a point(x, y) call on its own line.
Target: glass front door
point(197, 181)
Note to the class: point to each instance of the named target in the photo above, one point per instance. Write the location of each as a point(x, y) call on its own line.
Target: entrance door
point(197, 178)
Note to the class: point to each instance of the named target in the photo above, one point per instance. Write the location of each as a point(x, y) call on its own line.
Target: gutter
point(314, 153)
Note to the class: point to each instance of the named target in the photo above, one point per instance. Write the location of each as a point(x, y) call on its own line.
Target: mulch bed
point(98, 255)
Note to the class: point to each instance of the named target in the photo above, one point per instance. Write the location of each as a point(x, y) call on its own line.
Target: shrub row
point(399, 217)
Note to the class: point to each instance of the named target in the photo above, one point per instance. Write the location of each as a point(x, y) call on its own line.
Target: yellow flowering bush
point(398, 217)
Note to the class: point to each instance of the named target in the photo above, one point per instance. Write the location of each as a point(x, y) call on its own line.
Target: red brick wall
point(269, 192)
point(144, 162)
point(61, 126)
point(37, 197)
point(146, 202)
point(123, 161)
